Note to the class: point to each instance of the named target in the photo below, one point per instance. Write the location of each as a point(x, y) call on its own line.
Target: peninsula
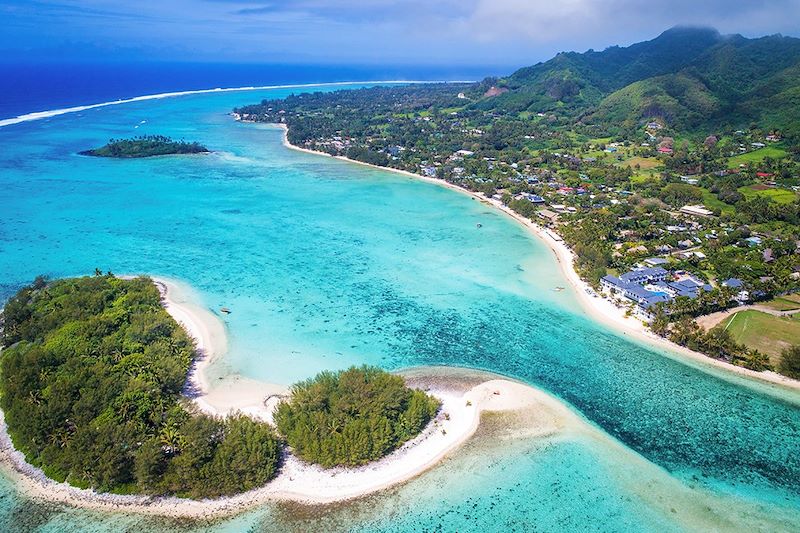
point(93, 377)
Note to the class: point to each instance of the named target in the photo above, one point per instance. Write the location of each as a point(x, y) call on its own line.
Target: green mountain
point(575, 80)
point(691, 78)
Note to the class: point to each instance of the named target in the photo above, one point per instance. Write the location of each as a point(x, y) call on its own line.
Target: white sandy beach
point(594, 305)
point(456, 422)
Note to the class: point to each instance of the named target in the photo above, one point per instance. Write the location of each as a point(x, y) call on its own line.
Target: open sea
point(326, 264)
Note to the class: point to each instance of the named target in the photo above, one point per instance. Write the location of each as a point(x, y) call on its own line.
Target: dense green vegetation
point(790, 362)
point(576, 82)
point(689, 78)
point(91, 374)
point(353, 416)
point(145, 146)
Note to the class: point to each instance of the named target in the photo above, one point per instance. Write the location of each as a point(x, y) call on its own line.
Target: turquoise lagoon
point(326, 264)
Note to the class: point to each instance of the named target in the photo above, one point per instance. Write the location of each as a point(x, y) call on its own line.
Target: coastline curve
point(38, 115)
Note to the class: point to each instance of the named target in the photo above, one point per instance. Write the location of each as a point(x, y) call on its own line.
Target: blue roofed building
point(687, 287)
point(742, 294)
point(645, 275)
point(733, 283)
point(648, 287)
point(656, 261)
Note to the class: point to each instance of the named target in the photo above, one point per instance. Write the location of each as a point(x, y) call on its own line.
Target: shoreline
point(465, 395)
point(38, 115)
point(598, 308)
point(229, 394)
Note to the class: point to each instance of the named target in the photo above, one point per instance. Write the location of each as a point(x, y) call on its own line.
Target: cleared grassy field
point(781, 196)
point(790, 302)
point(711, 201)
point(637, 179)
point(645, 163)
point(766, 333)
point(756, 156)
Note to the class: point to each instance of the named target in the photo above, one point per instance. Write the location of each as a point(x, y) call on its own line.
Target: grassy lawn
point(645, 163)
point(784, 303)
point(711, 201)
point(756, 156)
point(781, 196)
point(637, 179)
point(764, 332)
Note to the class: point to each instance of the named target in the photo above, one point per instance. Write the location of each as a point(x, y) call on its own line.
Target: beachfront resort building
point(647, 287)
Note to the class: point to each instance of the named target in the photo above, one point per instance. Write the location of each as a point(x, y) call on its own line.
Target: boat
point(225, 310)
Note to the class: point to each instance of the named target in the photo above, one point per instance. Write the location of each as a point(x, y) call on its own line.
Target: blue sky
point(437, 32)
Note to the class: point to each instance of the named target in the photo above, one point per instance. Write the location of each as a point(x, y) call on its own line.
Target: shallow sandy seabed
point(594, 305)
point(464, 396)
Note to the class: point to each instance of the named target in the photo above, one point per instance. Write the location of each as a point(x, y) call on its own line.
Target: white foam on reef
point(63, 111)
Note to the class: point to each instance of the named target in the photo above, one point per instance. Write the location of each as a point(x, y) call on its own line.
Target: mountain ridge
point(691, 78)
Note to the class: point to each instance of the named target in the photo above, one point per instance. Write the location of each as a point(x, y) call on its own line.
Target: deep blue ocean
point(27, 88)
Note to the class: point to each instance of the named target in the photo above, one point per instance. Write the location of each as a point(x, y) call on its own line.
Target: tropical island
point(668, 171)
point(145, 146)
point(91, 379)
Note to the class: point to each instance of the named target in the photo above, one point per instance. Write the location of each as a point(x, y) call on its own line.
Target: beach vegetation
point(790, 362)
point(353, 416)
point(145, 146)
point(718, 343)
point(91, 375)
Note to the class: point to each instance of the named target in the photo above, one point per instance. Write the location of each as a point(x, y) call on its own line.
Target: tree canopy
point(353, 416)
point(145, 146)
point(91, 375)
point(790, 362)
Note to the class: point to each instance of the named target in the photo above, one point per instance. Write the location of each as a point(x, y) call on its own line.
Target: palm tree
point(660, 323)
point(171, 440)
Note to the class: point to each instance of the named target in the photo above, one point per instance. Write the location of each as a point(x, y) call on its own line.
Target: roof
point(698, 210)
point(639, 291)
point(655, 299)
point(689, 287)
point(613, 280)
point(733, 283)
point(643, 272)
point(546, 213)
point(656, 261)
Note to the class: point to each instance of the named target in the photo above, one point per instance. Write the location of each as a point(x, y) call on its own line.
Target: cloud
point(501, 32)
point(614, 20)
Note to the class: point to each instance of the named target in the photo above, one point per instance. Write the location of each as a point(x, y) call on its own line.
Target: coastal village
point(668, 228)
